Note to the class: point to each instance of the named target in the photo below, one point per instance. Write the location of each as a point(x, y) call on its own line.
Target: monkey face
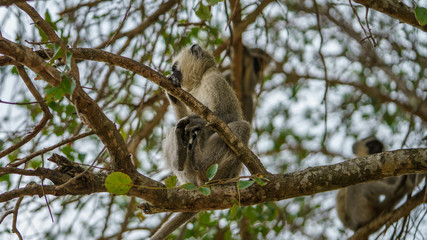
point(367, 146)
point(190, 65)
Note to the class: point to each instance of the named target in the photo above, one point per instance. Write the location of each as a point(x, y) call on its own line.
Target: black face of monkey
point(176, 79)
point(374, 146)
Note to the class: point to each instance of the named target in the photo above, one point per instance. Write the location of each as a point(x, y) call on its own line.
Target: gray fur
point(360, 204)
point(191, 147)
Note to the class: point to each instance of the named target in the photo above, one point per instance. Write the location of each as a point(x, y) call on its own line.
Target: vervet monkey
point(359, 204)
point(254, 62)
point(191, 147)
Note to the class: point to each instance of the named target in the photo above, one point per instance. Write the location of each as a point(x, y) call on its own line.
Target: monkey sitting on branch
point(191, 147)
point(360, 204)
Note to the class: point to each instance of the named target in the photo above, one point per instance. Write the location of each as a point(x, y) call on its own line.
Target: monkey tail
point(172, 224)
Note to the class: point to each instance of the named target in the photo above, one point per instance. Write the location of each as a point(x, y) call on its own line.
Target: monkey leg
point(182, 142)
point(188, 131)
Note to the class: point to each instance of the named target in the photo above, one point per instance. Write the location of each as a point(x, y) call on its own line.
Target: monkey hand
point(188, 130)
point(176, 81)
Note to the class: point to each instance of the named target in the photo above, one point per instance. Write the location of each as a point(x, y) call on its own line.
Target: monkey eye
point(174, 67)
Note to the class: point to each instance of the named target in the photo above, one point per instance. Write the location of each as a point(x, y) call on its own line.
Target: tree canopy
point(83, 113)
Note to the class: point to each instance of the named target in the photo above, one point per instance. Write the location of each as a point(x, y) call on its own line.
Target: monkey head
point(190, 65)
point(367, 146)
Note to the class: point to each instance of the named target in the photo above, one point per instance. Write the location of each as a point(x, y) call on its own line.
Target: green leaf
point(42, 35)
point(118, 183)
point(67, 150)
point(81, 157)
point(15, 71)
point(421, 15)
point(171, 182)
point(245, 184)
point(47, 17)
point(258, 179)
point(68, 55)
point(213, 2)
point(54, 93)
point(58, 53)
point(189, 186)
point(233, 211)
point(206, 191)
point(67, 85)
point(203, 12)
point(35, 163)
point(212, 171)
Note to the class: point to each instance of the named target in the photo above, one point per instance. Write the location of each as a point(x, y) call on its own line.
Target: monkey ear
point(196, 50)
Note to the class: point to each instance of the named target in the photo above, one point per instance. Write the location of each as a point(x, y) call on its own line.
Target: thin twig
point(325, 70)
point(113, 38)
point(44, 194)
point(44, 150)
point(46, 113)
point(19, 103)
point(369, 28)
point(15, 218)
point(5, 215)
point(361, 25)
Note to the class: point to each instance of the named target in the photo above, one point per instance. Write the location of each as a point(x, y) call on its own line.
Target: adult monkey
point(191, 147)
point(359, 204)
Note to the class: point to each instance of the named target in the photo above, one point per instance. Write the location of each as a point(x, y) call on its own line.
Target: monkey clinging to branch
point(191, 147)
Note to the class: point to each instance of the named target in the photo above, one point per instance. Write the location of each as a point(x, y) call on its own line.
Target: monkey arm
point(179, 108)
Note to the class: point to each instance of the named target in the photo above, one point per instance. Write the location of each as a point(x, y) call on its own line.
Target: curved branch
point(394, 9)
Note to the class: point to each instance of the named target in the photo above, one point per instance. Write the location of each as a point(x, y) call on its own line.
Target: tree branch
point(307, 182)
point(46, 113)
point(395, 9)
point(390, 217)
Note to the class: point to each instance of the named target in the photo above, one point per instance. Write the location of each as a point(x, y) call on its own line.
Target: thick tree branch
point(32, 60)
point(395, 9)
point(10, 2)
point(237, 49)
point(307, 182)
